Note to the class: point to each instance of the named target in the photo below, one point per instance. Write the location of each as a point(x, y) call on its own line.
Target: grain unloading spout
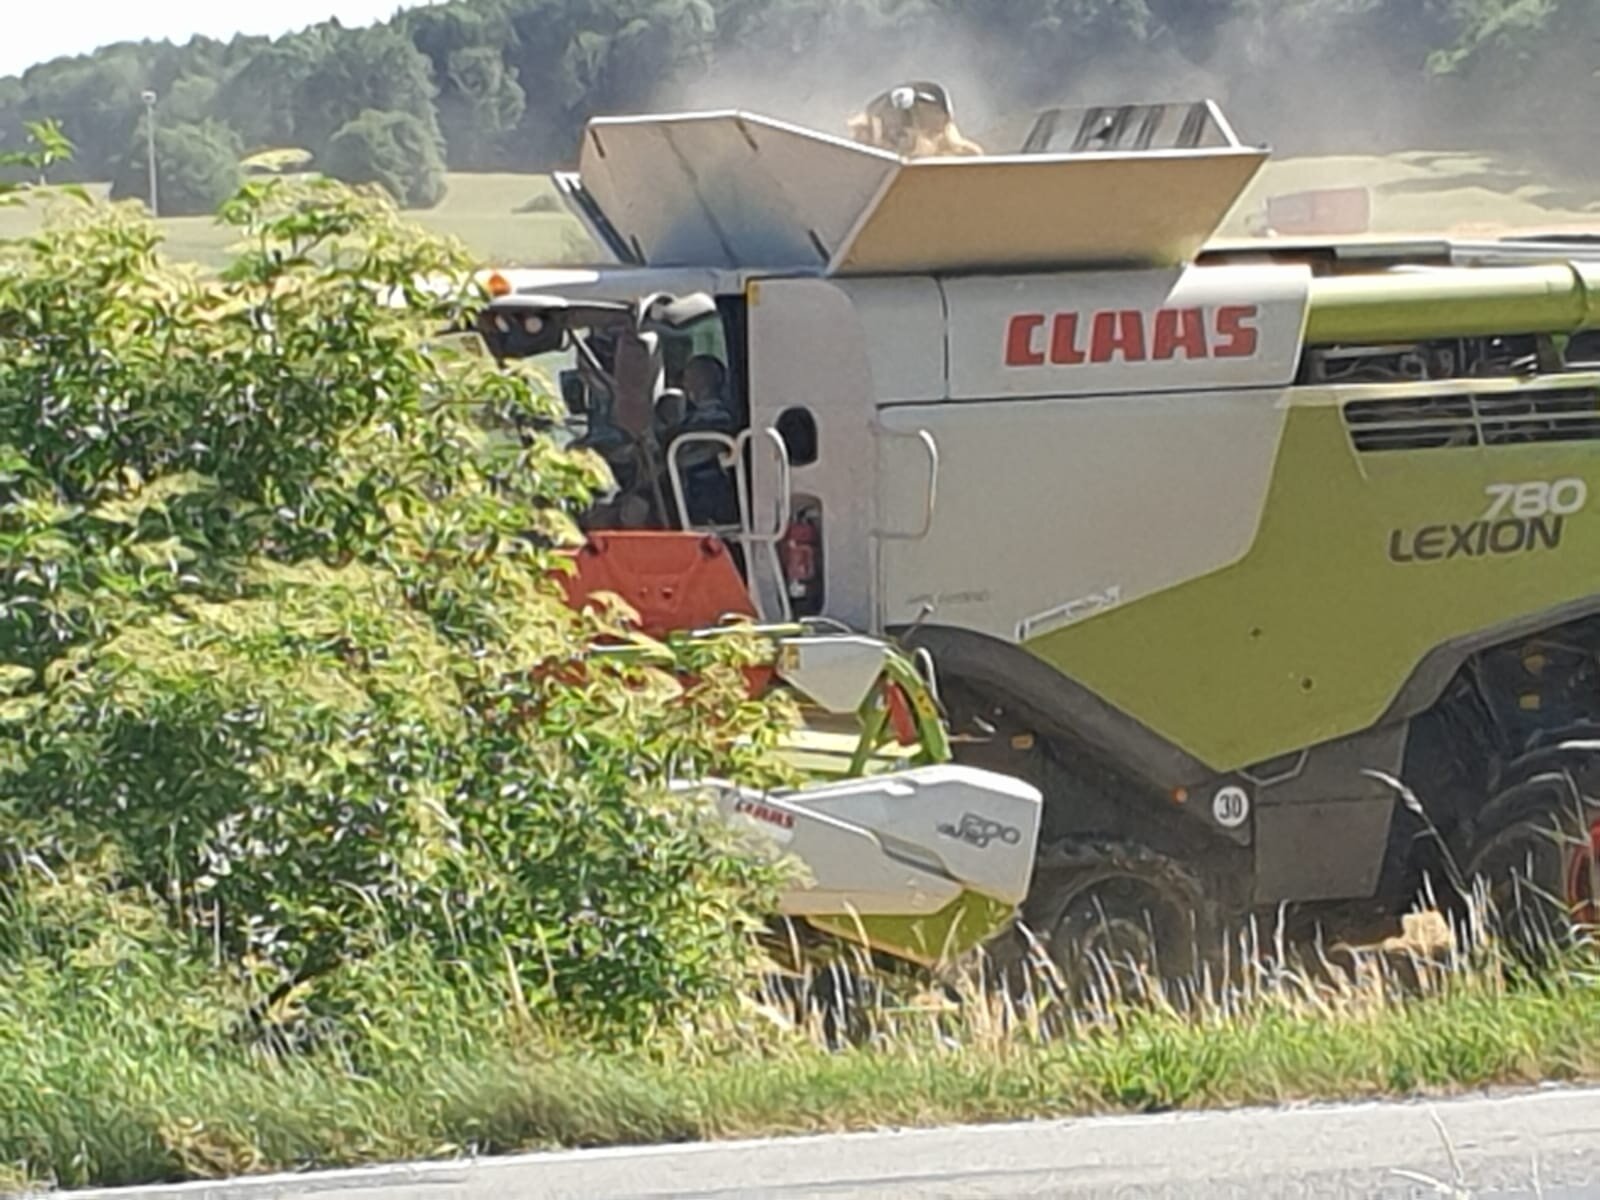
point(1140, 185)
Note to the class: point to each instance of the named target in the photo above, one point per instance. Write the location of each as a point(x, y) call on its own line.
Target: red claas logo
point(1069, 339)
point(760, 812)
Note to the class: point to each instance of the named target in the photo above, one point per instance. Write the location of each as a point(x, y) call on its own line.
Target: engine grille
point(1474, 419)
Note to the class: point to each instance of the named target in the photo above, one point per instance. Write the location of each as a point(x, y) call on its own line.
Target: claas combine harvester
point(1204, 545)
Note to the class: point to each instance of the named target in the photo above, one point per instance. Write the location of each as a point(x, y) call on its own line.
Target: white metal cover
point(733, 189)
point(1051, 511)
point(728, 189)
point(1040, 211)
point(901, 844)
point(806, 351)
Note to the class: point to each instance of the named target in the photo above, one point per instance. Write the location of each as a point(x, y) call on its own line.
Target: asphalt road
point(1537, 1144)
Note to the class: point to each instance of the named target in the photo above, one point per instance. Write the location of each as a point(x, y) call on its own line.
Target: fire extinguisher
point(801, 552)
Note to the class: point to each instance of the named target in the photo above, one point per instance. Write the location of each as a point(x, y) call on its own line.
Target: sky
point(35, 32)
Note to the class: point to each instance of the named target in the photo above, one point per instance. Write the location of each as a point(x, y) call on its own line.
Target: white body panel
point(903, 844)
point(902, 323)
point(1024, 212)
point(835, 671)
point(806, 351)
point(621, 284)
point(1040, 471)
point(1050, 511)
point(729, 189)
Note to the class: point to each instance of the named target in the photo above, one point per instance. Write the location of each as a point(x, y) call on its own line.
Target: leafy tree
point(481, 104)
point(12, 96)
point(191, 100)
point(654, 45)
point(46, 146)
point(1525, 72)
point(393, 150)
point(358, 71)
point(97, 100)
point(480, 100)
point(260, 97)
point(280, 643)
point(575, 58)
point(197, 168)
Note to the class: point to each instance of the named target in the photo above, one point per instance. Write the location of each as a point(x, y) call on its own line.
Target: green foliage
point(1526, 69)
point(192, 100)
point(482, 103)
point(46, 147)
point(393, 150)
point(358, 71)
point(260, 98)
point(480, 98)
point(97, 100)
point(280, 643)
point(197, 168)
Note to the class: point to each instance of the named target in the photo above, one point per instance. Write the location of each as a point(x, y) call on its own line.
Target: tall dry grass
point(122, 1061)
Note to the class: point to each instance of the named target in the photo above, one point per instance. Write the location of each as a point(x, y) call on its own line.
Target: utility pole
point(150, 147)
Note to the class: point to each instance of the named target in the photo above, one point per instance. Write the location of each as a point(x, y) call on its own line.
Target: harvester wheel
point(1111, 920)
point(1537, 864)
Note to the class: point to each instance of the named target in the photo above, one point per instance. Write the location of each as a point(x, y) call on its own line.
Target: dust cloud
point(1291, 88)
point(1341, 99)
point(852, 66)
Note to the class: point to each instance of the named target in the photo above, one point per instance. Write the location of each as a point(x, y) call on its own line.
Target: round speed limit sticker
point(1230, 807)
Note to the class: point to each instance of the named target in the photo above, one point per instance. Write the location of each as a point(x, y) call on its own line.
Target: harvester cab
point(769, 285)
point(649, 391)
point(635, 384)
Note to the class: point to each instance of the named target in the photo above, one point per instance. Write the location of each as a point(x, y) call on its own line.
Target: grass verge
point(119, 1068)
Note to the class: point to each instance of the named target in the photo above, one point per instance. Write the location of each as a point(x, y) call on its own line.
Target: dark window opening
point(798, 429)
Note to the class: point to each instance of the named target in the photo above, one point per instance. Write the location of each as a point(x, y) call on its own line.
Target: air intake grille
point(1474, 419)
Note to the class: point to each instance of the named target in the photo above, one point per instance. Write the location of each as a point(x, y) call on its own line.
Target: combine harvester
point(1210, 543)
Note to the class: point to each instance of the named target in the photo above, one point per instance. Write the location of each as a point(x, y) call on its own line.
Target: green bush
point(280, 638)
point(197, 168)
point(18, 168)
point(392, 149)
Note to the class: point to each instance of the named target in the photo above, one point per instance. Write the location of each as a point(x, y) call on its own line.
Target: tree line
point(507, 84)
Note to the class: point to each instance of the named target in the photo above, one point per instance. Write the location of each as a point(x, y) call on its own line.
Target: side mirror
point(527, 324)
point(512, 334)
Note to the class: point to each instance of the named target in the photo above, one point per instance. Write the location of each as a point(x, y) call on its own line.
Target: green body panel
point(1311, 634)
point(932, 940)
point(1453, 302)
